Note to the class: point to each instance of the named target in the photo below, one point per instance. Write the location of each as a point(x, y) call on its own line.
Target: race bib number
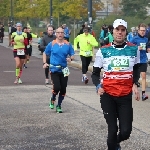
point(88, 53)
point(121, 63)
point(66, 71)
point(20, 52)
point(143, 45)
point(28, 46)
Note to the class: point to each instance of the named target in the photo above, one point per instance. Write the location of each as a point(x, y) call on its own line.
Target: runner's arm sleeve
point(135, 73)
point(93, 41)
point(147, 46)
point(34, 35)
point(98, 64)
point(76, 40)
point(12, 38)
point(133, 40)
point(71, 51)
point(136, 70)
point(25, 39)
point(42, 44)
point(48, 49)
point(30, 37)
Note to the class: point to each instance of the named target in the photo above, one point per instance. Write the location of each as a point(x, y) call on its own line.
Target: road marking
point(8, 71)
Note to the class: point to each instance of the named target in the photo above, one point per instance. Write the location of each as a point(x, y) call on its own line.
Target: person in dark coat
point(1, 33)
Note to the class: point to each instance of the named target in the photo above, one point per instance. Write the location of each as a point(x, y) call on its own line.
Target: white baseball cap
point(119, 22)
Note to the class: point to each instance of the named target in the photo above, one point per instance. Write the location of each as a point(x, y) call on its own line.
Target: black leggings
point(85, 63)
point(117, 108)
point(47, 69)
point(59, 83)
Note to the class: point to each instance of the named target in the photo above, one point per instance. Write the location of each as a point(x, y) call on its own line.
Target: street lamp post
point(11, 7)
point(90, 12)
point(51, 17)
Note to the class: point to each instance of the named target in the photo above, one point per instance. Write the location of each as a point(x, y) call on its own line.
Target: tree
point(77, 9)
point(22, 9)
point(73, 9)
point(116, 6)
point(135, 8)
point(4, 9)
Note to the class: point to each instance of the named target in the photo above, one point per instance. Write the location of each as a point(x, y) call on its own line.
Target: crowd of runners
point(122, 57)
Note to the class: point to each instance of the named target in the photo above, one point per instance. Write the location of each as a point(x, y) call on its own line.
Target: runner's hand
point(68, 59)
point(148, 50)
point(45, 65)
point(140, 48)
point(88, 42)
point(136, 92)
point(14, 43)
point(100, 91)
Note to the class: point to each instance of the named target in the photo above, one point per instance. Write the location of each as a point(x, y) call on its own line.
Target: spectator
point(1, 33)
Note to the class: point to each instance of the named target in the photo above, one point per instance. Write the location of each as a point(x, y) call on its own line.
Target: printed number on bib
point(88, 53)
point(20, 52)
point(143, 45)
point(119, 63)
point(28, 46)
point(66, 71)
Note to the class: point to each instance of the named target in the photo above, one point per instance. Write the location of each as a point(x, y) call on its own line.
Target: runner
point(58, 50)
point(19, 40)
point(142, 42)
point(118, 60)
point(86, 44)
point(28, 46)
point(49, 37)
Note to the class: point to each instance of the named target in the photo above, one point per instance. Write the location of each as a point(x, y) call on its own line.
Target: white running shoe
point(19, 81)
point(46, 81)
point(16, 81)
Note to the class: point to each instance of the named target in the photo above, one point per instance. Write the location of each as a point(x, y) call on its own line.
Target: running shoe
point(58, 109)
point(46, 81)
point(19, 81)
point(144, 97)
point(82, 79)
point(51, 104)
point(85, 79)
point(24, 66)
point(16, 81)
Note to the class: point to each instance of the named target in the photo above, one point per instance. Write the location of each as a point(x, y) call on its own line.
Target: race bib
point(119, 63)
point(143, 45)
point(66, 71)
point(28, 46)
point(20, 52)
point(88, 53)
